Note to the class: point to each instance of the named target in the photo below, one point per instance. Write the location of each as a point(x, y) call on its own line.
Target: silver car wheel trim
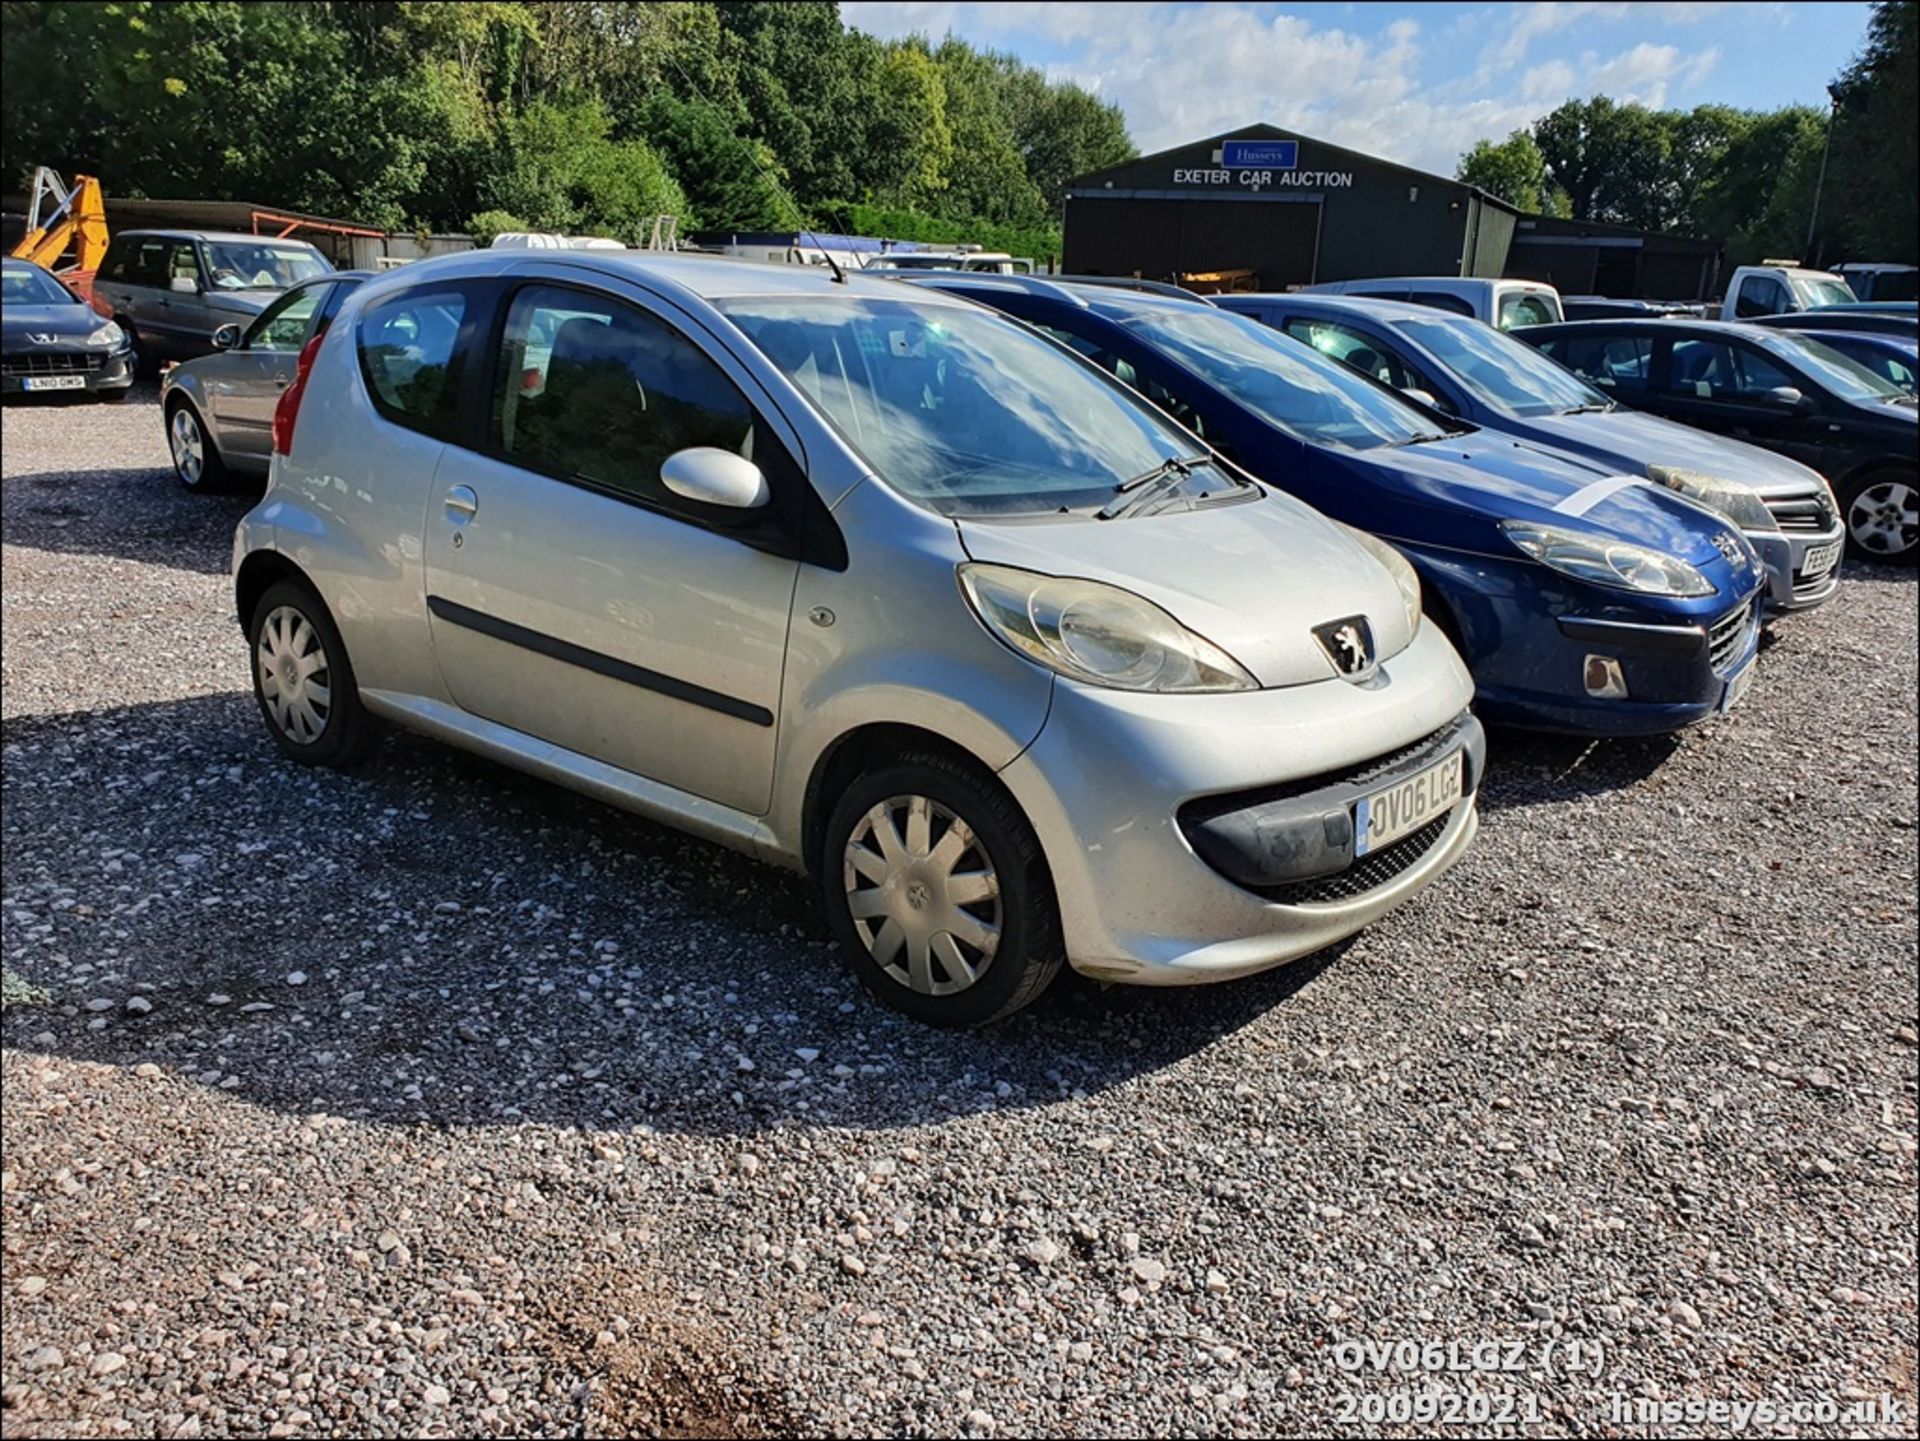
point(189, 450)
point(1885, 518)
point(292, 665)
point(924, 896)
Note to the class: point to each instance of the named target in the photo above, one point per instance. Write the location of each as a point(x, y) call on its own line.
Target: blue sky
point(1410, 82)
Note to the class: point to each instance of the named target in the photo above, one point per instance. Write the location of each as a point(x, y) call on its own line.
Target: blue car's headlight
point(106, 337)
point(1617, 563)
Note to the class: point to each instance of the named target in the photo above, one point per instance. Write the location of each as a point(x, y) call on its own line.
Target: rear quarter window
point(410, 356)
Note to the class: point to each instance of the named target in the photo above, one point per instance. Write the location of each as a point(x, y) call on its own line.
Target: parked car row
point(1039, 623)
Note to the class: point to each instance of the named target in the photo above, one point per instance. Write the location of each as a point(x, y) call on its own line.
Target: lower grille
point(1727, 640)
point(1812, 514)
point(71, 363)
point(1369, 873)
point(1239, 800)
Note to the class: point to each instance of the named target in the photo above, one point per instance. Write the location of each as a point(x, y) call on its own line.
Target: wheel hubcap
point(923, 894)
point(188, 449)
point(1885, 518)
point(293, 675)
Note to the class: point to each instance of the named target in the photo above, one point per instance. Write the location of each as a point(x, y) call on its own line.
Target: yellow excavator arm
point(75, 223)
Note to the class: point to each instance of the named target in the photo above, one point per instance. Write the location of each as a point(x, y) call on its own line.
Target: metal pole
point(1819, 182)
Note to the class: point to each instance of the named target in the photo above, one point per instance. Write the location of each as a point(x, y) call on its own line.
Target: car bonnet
point(1632, 440)
point(68, 322)
point(1252, 576)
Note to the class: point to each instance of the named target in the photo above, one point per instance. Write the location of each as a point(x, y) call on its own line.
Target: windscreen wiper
point(1129, 494)
point(1425, 436)
point(1601, 409)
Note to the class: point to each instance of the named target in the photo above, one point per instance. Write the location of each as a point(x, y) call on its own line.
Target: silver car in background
point(867, 582)
point(218, 409)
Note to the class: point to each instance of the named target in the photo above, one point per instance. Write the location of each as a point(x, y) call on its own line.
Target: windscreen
point(1841, 374)
point(1282, 380)
point(30, 285)
point(958, 408)
point(1822, 290)
point(258, 265)
point(1506, 374)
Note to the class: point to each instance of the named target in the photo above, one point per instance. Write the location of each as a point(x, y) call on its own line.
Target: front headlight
point(106, 337)
point(1401, 571)
point(1616, 563)
point(1739, 503)
point(1097, 633)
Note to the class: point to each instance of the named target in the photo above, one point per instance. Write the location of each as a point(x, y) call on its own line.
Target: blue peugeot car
point(1494, 381)
point(1584, 601)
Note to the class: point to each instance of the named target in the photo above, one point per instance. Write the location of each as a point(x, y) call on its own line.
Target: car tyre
point(197, 463)
point(303, 680)
point(936, 888)
point(1882, 512)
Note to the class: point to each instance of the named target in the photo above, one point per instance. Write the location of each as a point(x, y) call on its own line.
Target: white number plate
point(1820, 559)
point(1387, 815)
point(55, 382)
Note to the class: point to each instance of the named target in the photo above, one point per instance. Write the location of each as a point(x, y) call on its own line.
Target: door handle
point(280, 381)
point(461, 504)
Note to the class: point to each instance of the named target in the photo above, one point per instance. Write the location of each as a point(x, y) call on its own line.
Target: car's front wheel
point(935, 885)
point(1882, 510)
point(303, 680)
point(196, 459)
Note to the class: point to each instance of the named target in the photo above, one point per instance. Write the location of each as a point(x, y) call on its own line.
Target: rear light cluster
point(288, 410)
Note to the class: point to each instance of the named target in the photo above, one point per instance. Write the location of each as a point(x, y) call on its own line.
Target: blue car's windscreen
point(30, 285)
point(1282, 380)
point(1510, 376)
point(958, 408)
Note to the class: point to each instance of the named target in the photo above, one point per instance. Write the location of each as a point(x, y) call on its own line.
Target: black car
point(1772, 387)
point(51, 340)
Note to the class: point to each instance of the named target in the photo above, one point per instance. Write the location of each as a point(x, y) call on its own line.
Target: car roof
point(1366, 307)
point(240, 235)
point(709, 277)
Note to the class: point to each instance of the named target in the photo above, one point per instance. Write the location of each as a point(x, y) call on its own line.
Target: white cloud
point(1180, 72)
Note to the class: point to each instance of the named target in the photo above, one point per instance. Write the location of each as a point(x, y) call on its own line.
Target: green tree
point(731, 181)
point(1513, 169)
point(557, 168)
point(1608, 159)
point(1875, 165)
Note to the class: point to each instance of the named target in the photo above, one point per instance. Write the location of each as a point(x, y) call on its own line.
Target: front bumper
point(1791, 584)
point(98, 370)
point(1107, 780)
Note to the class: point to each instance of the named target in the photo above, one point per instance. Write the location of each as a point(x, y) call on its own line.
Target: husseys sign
point(1261, 165)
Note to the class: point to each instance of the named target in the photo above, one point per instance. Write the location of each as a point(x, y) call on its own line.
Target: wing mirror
point(1787, 397)
point(226, 337)
point(184, 285)
point(715, 477)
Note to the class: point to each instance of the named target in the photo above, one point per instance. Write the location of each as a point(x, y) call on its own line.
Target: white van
point(1507, 304)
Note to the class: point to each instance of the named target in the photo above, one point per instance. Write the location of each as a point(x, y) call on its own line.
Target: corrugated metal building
point(1291, 209)
point(1585, 257)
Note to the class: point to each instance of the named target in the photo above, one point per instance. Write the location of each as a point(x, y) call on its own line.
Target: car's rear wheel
point(1882, 510)
point(935, 885)
point(303, 680)
point(196, 459)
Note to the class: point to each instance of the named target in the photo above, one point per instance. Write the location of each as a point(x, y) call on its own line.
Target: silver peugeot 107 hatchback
point(865, 581)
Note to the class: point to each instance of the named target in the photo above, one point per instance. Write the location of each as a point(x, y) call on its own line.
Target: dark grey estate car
point(170, 290)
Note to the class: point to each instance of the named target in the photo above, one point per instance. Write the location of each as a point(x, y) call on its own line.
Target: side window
point(1715, 370)
point(1349, 347)
point(592, 389)
point(283, 325)
point(1440, 300)
point(149, 265)
point(1760, 295)
point(410, 357)
point(117, 265)
point(1119, 369)
point(1758, 374)
point(182, 264)
point(1519, 308)
point(1616, 363)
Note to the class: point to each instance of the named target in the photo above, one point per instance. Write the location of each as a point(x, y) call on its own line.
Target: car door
point(174, 316)
point(244, 384)
point(573, 597)
point(1725, 385)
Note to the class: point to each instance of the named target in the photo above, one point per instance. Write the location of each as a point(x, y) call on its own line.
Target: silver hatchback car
point(868, 582)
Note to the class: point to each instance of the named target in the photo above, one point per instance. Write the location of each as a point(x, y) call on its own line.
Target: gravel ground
point(435, 1101)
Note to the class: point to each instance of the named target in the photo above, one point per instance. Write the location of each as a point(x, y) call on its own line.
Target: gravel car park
point(434, 1100)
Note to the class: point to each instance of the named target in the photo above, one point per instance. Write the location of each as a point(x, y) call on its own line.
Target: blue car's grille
point(55, 363)
point(1727, 640)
